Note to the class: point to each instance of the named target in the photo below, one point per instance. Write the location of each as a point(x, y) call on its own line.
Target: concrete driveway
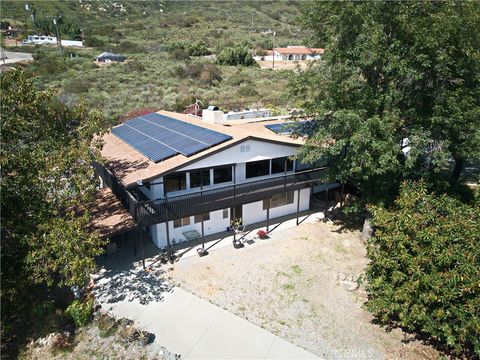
point(182, 322)
point(197, 329)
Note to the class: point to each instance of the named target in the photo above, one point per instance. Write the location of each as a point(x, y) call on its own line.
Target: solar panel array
point(279, 128)
point(159, 137)
point(302, 128)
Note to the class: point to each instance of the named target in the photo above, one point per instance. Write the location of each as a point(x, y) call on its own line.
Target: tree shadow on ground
point(141, 286)
point(345, 222)
point(144, 286)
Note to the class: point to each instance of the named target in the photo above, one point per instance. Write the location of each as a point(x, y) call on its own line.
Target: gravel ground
point(301, 285)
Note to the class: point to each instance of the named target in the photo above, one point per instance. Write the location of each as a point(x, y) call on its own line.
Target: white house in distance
point(184, 177)
point(292, 53)
point(50, 40)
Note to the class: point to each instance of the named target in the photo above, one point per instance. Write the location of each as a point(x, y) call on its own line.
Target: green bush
point(424, 273)
point(179, 54)
point(130, 47)
point(195, 48)
point(236, 56)
point(134, 66)
point(80, 312)
point(93, 41)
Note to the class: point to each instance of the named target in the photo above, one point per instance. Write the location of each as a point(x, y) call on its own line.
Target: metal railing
point(126, 198)
point(170, 208)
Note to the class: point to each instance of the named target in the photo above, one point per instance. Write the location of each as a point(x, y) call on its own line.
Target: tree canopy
point(397, 78)
point(425, 268)
point(47, 185)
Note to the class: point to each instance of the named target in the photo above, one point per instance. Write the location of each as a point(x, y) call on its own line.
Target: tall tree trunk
point(457, 170)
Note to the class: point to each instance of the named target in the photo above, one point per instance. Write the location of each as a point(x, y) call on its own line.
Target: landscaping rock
point(367, 231)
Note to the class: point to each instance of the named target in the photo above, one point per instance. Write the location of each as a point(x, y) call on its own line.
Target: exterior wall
point(259, 150)
point(216, 224)
point(252, 213)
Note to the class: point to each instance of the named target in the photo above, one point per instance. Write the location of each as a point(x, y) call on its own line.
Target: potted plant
point(262, 234)
point(238, 228)
point(202, 252)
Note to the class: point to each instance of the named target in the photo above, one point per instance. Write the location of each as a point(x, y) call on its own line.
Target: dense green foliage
point(234, 56)
point(393, 71)
point(80, 311)
point(195, 48)
point(47, 185)
point(425, 268)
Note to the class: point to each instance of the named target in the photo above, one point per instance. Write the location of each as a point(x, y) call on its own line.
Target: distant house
point(40, 40)
point(109, 57)
point(50, 40)
point(292, 53)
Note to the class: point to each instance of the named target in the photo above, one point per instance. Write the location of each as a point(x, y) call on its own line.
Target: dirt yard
point(301, 285)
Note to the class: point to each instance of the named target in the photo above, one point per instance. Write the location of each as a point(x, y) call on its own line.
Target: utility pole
point(273, 49)
point(59, 40)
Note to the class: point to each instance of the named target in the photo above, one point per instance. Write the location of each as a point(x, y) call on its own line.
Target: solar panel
point(303, 128)
point(159, 137)
point(279, 128)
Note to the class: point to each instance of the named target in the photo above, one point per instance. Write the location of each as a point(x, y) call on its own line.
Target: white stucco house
point(182, 176)
point(291, 53)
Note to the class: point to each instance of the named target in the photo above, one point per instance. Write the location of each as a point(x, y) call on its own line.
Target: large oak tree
point(393, 71)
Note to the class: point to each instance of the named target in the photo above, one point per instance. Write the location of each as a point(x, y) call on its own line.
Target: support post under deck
point(140, 238)
point(298, 203)
point(326, 201)
point(268, 213)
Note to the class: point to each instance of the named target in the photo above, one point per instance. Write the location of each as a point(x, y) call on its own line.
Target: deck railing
point(171, 208)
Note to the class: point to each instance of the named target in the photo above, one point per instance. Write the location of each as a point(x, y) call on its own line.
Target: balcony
point(170, 208)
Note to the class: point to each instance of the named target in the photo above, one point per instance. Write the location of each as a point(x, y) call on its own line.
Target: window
point(225, 213)
point(222, 174)
point(181, 222)
point(147, 185)
point(200, 217)
point(257, 168)
point(199, 178)
point(175, 182)
point(282, 164)
point(279, 200)
point(245, 148)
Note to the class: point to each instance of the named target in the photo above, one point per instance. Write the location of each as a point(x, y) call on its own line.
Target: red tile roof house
point(182, 177)
point(292, 53)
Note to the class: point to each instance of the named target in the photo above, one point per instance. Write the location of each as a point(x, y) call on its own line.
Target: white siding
point(253, 212)
point(215, 225)
point(259, 150)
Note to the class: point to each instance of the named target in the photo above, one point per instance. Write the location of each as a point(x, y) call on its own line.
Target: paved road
point(13, 57)
point(197, 329)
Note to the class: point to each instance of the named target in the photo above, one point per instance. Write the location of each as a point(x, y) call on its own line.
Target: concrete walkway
point(197, 329)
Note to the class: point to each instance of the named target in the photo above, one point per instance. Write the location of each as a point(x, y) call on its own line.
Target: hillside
point(157, 76)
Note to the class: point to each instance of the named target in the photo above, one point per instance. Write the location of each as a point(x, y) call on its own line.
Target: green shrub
point(236, 56)
point(93, 41)
point(134, 66)
point(425, 267)
point(80, 312)
point(179, 54)
point(210, 75)
point(195, 48)
point(130, 47)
